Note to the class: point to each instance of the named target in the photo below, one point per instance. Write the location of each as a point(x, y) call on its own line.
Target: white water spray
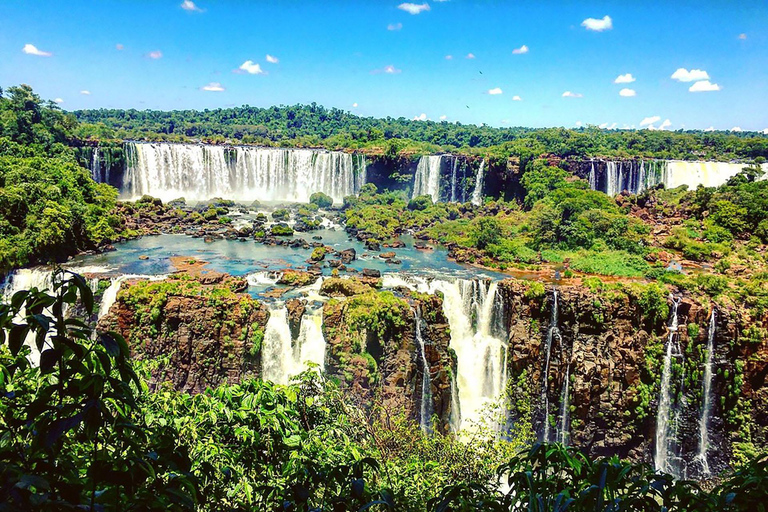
point(200, 172)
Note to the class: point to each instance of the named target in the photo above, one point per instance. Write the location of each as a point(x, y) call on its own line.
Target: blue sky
point(376, 58)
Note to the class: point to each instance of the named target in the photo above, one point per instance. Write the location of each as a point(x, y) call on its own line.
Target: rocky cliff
point(198, 332)
point(609, 342)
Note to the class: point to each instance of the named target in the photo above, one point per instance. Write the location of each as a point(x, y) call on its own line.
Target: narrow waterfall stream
point(706, 407)
point(426, 408)
point(563, 427)
point(666, 459)
point(26, 279)
point(552, 332)
point(477, 194)
point(592, 176)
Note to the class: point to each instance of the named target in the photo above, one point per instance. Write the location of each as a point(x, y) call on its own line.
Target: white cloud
point(650, 120)
point(31, 49)
point(354, 105)
point(598, 25)
point(765, 131)
point(704, 86)
point(413, 8)
point(604, 125)
point(736, 129)
point(521, 50)
point(420, 117)
point(743, 37)
point(470, 56)
point(119, 46)
point(213, 87)
point(443, 118)
point(624, 79)
point(517, 98)
point(388, 70)
point(85, 92)
point(710, 129)
point(449, 57)
point(189, 5)
point(627, 92)
point(272, 59)
point(569, 94)
point(578, 124)
point(495, 91)
point(394, 26)
point(683, 75)
point(58, 100)
point(666, 124)
point(252, 68)
point(157, 54)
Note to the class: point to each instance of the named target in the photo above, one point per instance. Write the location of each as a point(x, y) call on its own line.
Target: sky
point(650, 64)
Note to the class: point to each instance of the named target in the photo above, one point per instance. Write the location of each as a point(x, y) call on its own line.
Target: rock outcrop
point(198, 332)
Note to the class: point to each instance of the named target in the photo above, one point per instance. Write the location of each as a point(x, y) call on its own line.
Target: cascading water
point(552, 333)
point(477, 194)
point(426, 408)
point(281, 359)
point(636, 176)
point(666, 458)
point(311, 342)
point(27, 279)
point(200, 172)
point(706, 407)
point(427, 178)
point(454, 177)
point(478, 337)
point(562, 433)
point(708, 174)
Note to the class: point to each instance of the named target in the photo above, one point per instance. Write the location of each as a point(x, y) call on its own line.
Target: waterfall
point(552, 332)
point(281, 359)
point(706, 407)
point(478, 337)
point(427, 178)
point(27, 279)
point(311, 342)
point(96, 165)
point(276, 349)
point(202, 171)
point(455, 419)
point(454, 177)
point(666, 459)
point(426, 409)
point(477, 194)
point(636, 176)
point(708, 174)
point(563, 424)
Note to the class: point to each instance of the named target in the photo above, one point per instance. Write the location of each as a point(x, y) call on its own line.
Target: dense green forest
point(316, 126)
point(50, 208)
point(82, 431)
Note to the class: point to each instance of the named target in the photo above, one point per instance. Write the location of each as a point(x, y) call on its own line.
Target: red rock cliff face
point(611, 347)
point(197, 335)
point(379, 361)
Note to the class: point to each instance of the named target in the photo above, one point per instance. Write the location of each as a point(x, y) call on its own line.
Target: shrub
point(321, 200)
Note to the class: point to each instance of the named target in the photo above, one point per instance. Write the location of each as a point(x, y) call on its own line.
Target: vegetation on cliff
point(81, 431)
